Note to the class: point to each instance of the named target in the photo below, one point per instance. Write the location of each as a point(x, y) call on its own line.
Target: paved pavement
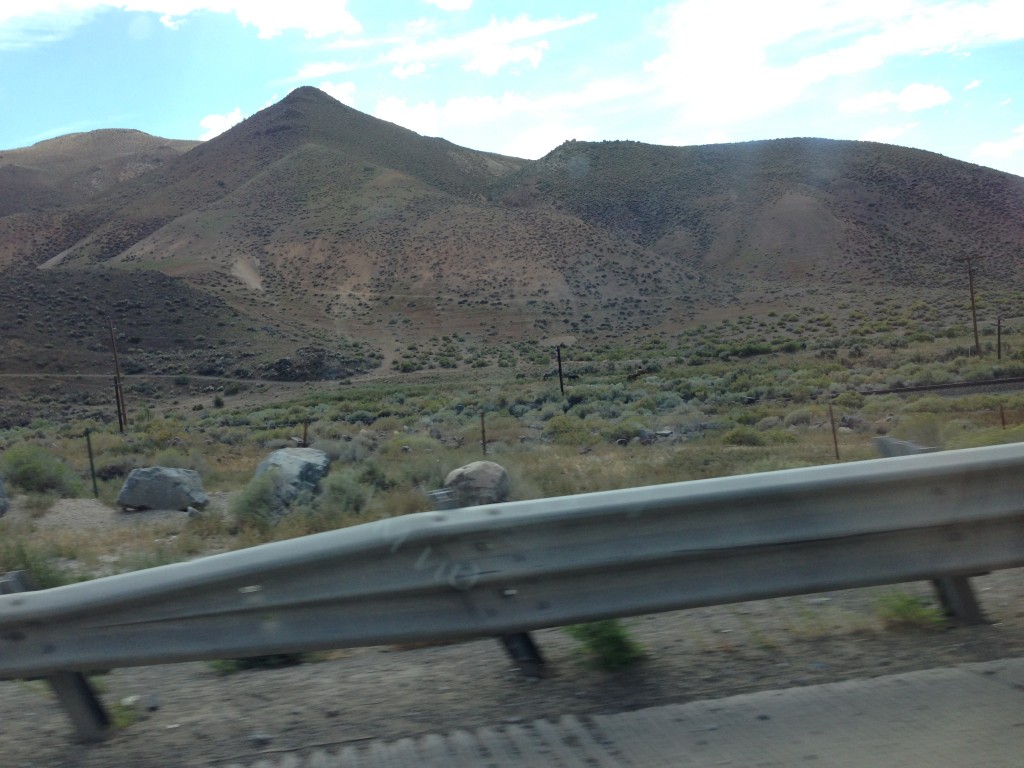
point(970, 716)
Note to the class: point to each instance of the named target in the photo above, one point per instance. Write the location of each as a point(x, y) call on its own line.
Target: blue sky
point(521, 77)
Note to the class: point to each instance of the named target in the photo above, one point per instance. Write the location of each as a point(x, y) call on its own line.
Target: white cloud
point(1011, 149)
point(888, 134)
point(917, 96)
point(972, 85)
point(451, 5)
point(217, 124)
point(490, 61)
point(512, 123)
point(911, 99)
point(726, 64)
point(26, 23)
point(315, 18)
point(535, 141)
point(409, 70)
point(343, 92)
point(486, 50)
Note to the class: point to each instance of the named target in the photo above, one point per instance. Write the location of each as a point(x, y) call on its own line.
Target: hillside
point(829, 210)
point(317, 235)
point(77, 167)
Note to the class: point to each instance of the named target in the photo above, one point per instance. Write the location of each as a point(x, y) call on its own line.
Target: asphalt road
point(969, 716)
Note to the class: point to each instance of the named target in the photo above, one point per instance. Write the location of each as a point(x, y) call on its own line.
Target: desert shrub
point(850, 400)
point(172, 457)
point(34, 470)
point(361, 417)
point(607, 644)
point(335, 449)
point(398, 501)
point(359, 449)
point(625, 429)
point(569, 430)
point(271, 661)
point(117, 468)
point(778, 437)
point(343, 492)
point(799, 418)
point(899, 610)
point(373, 475)
point(400, 446)
point(38, 562)
point(38, 504)
point(743, 435)
point(257, 504)
point(341, 502)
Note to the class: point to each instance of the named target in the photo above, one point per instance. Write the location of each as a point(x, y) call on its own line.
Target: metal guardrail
point(507, 568)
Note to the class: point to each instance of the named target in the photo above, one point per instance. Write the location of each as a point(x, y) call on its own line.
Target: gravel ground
point(202, 718)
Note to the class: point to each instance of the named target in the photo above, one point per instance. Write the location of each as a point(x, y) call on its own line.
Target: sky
point(521, 77)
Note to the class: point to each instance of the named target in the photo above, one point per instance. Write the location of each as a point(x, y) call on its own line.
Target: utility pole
point(561, 381)
point(999, 337)
point(974, 311)
point(122, 412)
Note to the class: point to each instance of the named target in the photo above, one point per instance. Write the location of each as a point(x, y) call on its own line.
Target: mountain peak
point(307, 92)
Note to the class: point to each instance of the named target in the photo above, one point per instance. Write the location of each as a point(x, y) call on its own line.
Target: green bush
point(607, 644)
point(256, 505)
point(626, 429)
point(271, 661)
point(40, 564)
point(569, 430)
point(342, 494)
point(743, 436)
point(33, 470)
point(799, 418)
point(850, 400)
point(899, 610)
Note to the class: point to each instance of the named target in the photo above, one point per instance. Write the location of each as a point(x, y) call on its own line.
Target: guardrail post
point(525, 653)
point(73, 690)
point(954, 592)
point(958, 600)
point(520, 647)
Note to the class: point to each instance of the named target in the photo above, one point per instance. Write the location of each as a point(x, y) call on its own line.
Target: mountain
point(74, 168)
point(330, 240)
point(785, 208)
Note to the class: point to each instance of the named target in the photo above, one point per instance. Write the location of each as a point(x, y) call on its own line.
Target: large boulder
point(296, 470)
point(481, 482)
point(162, 488)
point(5, 503)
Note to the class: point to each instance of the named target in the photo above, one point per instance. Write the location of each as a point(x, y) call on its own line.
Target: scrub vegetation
point(693, 405)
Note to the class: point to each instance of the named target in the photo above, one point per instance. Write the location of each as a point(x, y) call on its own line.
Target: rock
point(480, 482)
point(296, 470)
point(162, 488)
point(854, 422)
point(5, 502)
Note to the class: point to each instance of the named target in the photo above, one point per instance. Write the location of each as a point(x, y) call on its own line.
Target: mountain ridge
point(74, 168)
point(328, 225)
